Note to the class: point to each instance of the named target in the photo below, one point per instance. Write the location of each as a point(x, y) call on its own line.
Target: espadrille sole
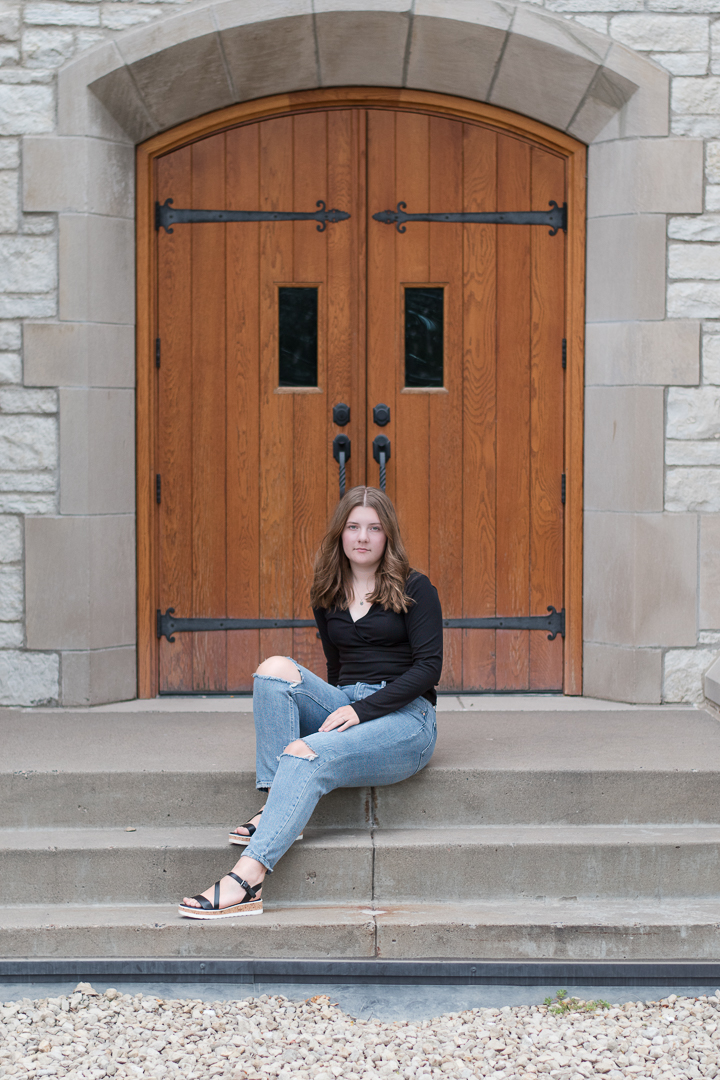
point(253, 908)
point(243, 841)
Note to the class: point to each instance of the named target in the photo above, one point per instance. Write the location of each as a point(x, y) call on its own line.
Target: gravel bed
point(90, 1035)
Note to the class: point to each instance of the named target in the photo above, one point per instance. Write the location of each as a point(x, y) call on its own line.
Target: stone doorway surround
point(640, 564)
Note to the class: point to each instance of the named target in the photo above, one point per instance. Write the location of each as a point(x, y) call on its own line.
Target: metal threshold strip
point(438, 972)
point(168, 625)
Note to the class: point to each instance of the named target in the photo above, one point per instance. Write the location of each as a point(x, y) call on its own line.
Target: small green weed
point(561, 1003)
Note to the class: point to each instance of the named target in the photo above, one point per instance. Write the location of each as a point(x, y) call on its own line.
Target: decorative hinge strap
point(555, 217)
point(166, 216)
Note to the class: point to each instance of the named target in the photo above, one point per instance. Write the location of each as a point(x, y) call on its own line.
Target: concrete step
point(101, 866)
point(109, 769)
point(501, 930)
point(392, 865)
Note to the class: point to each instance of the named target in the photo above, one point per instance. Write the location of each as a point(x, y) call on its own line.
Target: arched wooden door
point(322, 295)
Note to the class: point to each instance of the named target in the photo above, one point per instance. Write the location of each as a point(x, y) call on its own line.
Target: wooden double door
point(264, 327)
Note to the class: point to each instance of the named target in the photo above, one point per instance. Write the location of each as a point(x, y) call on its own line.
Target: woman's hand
point(341, 719)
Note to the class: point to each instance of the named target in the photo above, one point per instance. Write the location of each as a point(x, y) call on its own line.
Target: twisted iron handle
point(381, 453)
point(341, 452)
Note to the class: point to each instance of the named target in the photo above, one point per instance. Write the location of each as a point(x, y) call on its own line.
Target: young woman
point(371, 723)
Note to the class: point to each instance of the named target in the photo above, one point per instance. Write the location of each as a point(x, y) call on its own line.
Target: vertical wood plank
point(445, 410)
point(546, 431)
point(209, 454)
point(513, 411)
point(479, 406)
point(174, 433)
point(242, 179)
point(346, 293)
point(311, 411)
point(276, 410)
point(411, 438)
point(382, 292)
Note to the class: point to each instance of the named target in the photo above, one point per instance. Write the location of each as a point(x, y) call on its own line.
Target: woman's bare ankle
point(250, 870)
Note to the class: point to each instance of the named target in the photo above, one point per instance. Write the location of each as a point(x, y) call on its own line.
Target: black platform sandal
point(242, 841)
point(249, 905)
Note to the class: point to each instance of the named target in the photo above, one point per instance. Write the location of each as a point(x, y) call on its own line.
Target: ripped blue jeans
point(372, 754)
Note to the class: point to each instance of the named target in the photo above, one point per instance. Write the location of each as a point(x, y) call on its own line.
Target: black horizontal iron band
point(167, 624)
point(166, 216)
point(555, 217)
point(554, 622)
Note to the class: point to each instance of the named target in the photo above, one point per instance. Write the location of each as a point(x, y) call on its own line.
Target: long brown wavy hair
point(332, 582)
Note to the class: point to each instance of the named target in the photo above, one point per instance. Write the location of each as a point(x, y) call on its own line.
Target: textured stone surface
point(693, 414)
point(10, 368)
point(711, 358)
point(28, 442)
point(693, 261)
point(11, 593)
point(11, 544)
point(667, 33)
point(684, 671)
point(688, 452)
point(692, 489)
point(28, 678)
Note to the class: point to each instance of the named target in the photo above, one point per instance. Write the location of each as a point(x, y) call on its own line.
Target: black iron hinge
point(157, 352)
point(166, 216)
point(168, 625)
point(158, 488)
point(555, 217)
point(562, 489)
point(564, 353)
point(554, 622)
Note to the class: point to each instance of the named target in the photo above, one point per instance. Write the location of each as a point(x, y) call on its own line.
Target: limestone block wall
point(653, 414)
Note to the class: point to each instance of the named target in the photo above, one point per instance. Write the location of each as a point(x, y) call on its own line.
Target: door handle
point(341, 453)
point(381, 453)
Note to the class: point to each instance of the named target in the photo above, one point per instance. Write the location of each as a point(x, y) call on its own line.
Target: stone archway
point(142, 83)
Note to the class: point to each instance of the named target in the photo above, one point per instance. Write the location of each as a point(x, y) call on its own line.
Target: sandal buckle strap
point(249, 889)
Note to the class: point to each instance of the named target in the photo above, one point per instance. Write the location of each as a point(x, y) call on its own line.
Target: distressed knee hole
point(300, 749)
point(279, 667)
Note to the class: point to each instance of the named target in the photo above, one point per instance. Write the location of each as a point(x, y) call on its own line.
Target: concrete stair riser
point(436, 798)
point(153, 866)
point(393, 866)
point(525, 863)
point(143, 931)
point(511, 930)
point(113, 799)
point(448, 798)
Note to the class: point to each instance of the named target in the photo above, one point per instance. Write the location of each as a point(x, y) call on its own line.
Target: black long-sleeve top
point(403, 650)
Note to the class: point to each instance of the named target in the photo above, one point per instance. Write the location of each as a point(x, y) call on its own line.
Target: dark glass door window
point(298, 336)
point(424, 336)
